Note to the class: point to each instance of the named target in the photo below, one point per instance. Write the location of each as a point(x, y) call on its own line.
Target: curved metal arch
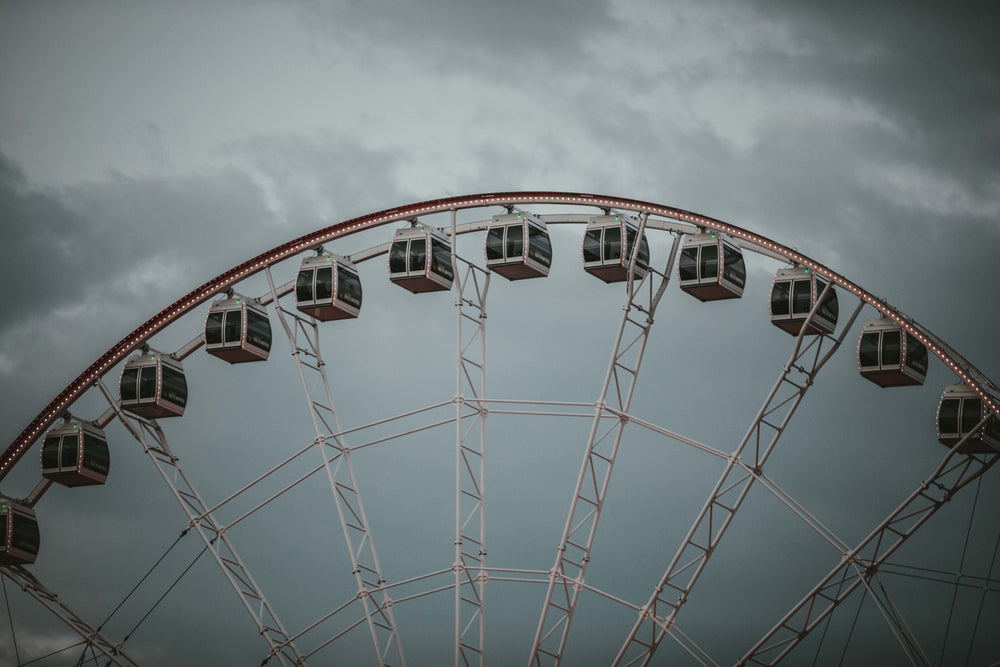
point(968, 373)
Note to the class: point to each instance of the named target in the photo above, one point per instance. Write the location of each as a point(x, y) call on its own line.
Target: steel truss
point(303, 336)
point(93, 639)
point(211, 532)
point(658, 616)
point(467, 577)
point(567, 575)
point(470, 460)
point(862, 563)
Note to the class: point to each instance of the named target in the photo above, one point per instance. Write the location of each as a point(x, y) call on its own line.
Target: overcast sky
point(147, 147)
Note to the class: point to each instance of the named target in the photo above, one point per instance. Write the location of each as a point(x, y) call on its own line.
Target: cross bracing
point(609, 424)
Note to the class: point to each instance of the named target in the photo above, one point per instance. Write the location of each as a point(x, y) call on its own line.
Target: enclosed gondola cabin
point(518, 246)
point(19, 538)
point(606, 256)
point(889, 356)
point(153, 385)
point(328, 288)
point(711, 268)
point(420, 260)
point(237, 330)
point(75, 454)
point(959, 412)
point(793, 294)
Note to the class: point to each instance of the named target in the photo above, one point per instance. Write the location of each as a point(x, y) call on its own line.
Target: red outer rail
point(971, 376)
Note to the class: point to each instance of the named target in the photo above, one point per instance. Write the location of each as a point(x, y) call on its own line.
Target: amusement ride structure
point(303, 288)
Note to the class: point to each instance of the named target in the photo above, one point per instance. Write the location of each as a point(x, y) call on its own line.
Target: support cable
point(10, 617)
point(987, 585)
point(165, 593)
point(826, 628)
point(854, 624)
point(961, 566)
point(982, 600)
point(913, 645)
point(49, 655)
point(144, 577)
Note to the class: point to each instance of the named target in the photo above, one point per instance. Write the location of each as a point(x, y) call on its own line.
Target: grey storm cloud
point(144, 150)
point(452, 32)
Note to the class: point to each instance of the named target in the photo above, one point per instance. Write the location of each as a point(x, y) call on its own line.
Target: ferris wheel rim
point(967, 372)
point(311, 242)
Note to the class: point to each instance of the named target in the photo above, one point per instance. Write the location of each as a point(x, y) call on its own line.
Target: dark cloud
point(861, 135)
point(452, 34)
point(932, 70)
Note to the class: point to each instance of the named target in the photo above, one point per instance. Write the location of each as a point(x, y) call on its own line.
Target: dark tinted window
point(948, 416)
point(324, 284)
point(95, 454)
point(50, 452)
point(592, 246)
point(25, 535)
point(709, 261)
point(972, 413)
point(128, 386)
point(441, 254)
point(494, 243)
point(539, 246)
point(258, 330)
point(643, 251)
point(828, 308)
point(70, 446)
point(733, 268)
point(234, 327)
point(890, 348)
point(213, 328)
point(916, 354)
point(348, 287)
point(515, 241)
point(397, 257)
point(612, 243)
point(688, 263)
point(174, 386)
point(3, 531)
point(303, 286)
point(868, 350)
point(418, 255)
point(779, 297)
point(801, 297)
point(147, 382)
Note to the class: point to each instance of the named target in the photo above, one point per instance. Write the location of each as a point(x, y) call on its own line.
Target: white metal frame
point(471, 288)
point(573, 555)
point(658, 616)
point(93, 639)
point(211, 532)
point(861, 563)
point(469, 574)
point(303, 337)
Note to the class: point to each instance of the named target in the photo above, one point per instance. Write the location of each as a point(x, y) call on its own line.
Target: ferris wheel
point(334, 450)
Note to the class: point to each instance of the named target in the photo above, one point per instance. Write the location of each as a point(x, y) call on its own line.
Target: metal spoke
point(154, 444)
point(471, 287)
point(683, 571)
point(943, 483)
point(573, 555)
point(94, 640)
point(303, 336)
